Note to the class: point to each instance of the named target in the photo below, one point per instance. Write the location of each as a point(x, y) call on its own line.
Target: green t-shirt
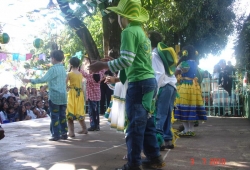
point(135, 54)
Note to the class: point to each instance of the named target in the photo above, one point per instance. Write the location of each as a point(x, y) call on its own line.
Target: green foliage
point(242, 48)
point(205, 24)
point(95, 28)
point(70, 43)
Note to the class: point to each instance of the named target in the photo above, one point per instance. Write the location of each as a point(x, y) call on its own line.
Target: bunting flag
point(79, 55)
point(15, 56)
point(42, 56)
point(3, 56)
point(28, 56)
point(22, 58)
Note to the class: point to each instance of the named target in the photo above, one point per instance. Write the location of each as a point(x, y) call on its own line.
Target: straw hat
point(131, 9)
point(168, 57)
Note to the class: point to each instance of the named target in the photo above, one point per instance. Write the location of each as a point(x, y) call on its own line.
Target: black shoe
point(127, 167)
point(196, 123)
point(169, 146)
point(53, 139)
point(91, 129)
point(162, 148)
point(155, 163)
point(64, 137)
point(97, 129)
point(181, 128)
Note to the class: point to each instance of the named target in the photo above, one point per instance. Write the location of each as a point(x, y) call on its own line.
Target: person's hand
point(110, 80)
point(97, 66)
point(26, 80)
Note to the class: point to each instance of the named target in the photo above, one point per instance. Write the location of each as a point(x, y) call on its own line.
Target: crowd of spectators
point(23, 104)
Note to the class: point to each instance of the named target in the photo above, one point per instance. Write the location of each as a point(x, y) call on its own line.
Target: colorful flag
point(28, 56)
point(3, 56)
point(22, 57)
point(42, 56)
point(15, 56)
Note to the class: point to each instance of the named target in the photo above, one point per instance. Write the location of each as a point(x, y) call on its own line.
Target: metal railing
point(217, 100)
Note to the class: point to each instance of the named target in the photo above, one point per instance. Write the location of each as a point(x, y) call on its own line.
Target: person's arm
point(127, 55)
point(85, 75)
point(46, 78)
point(67, 80)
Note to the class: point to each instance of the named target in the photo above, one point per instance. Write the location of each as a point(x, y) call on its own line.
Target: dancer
point(164, 60)
point(190, 104)
point(56, 77)
point(75, 107)
point(94, 97)
point(136, 67)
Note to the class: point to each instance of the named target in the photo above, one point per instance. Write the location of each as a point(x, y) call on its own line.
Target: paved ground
point(220, 144)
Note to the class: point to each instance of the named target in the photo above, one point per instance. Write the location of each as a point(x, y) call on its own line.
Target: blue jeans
point(93, 108)
point(141, 132)
point(164, 108)
point(58, 124)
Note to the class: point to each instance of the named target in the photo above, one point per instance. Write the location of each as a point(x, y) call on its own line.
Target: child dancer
point(94, 97)
point(189, 103)
point(75, 106)
point(56, 77)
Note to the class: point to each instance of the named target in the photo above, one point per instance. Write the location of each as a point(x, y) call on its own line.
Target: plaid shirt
point(92, 88)
point(56, 78)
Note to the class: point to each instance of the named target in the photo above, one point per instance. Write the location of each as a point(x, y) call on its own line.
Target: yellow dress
point(75, 107)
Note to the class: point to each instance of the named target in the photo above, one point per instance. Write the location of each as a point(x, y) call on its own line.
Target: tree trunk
point(106, 34)
point(81, 30)
point(115, 36)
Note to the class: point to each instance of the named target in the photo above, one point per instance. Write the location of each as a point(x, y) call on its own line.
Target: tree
point(205, 24)
point(242, 48)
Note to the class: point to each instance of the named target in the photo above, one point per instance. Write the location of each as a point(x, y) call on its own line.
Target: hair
point(27, 104)
point(37, 103)
point(8, 98)
point(33, 91)
point(222, 61)
point(216, 67)
point(191, 54)
point(58, 55)
point(75, 63)
point(15, 93)
point(155, 37)
point(96, 77)
point(20, 112)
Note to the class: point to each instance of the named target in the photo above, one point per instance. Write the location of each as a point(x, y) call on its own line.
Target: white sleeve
point(158, 68)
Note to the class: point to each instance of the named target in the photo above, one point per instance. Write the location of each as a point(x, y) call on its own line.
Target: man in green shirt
point(136, 65)
point(56, 78)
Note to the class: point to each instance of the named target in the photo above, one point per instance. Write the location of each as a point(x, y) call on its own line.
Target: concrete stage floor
point(221, 144)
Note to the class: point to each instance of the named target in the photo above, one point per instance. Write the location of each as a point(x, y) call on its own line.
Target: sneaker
point(91, 129)
point(184, 134)
point(54, 139)
point(162, 148)
point(191, 133)
point(196, 123)
point(97, 128)
point(155, 163)
point(64, 136)
point(127, 167)
point(169, 146)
